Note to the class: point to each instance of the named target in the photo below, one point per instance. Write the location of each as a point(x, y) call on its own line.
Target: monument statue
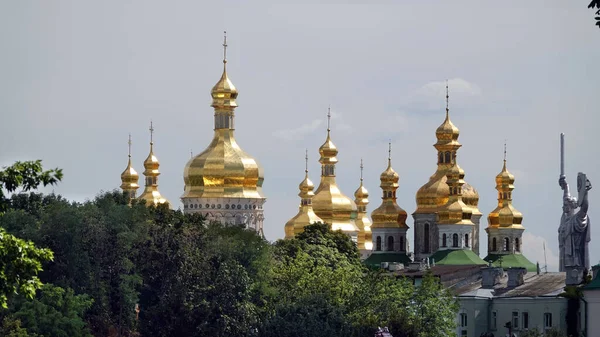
point(574, 229)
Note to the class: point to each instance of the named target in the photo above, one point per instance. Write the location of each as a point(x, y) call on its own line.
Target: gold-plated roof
point(329, 203)
point(505, 215)
point(455, 212)
point(434, 194)
point(306, 215)
point(129, 177)
point(223, 169)
point(151, 194)
point(389, 214)
point(361, 198)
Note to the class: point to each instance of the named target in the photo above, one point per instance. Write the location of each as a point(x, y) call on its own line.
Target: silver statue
point(574, 230)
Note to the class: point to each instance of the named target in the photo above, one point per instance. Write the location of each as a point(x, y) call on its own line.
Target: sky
point(76, 77)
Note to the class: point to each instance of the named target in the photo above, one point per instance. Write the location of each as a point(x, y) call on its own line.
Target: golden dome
point(389, 214)
point(223, 169)
point(129, 177)
point(505, 215)
point(329, 203)
point(361, 195)
point(470, 197)
point(151, 194)
point(455, 211)
point(447, 133)
point(306, 215)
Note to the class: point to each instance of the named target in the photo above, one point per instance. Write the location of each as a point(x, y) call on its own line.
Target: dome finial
point(390, 153)
point(129, 147)
point(447, 99)
point(306, 161)
point(224, 47)
point(329, 118)
point(151, 134)
point(504, 169)
point(361, 170)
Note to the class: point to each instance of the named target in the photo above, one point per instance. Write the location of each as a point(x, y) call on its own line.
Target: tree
point(596, 3)
point(28, 175)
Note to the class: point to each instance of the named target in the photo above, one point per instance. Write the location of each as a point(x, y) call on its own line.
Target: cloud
point(299, 132)
point(431, 95)
point(533, 249)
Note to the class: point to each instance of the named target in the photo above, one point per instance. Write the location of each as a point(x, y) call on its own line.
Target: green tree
point(25, 176)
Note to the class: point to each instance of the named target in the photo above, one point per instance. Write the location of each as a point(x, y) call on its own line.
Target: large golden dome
point(329, 203)
point(223, 169)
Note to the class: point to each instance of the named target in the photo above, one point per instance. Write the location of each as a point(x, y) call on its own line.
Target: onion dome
point(306, 215)
point(223, 169)
point(151, 194)
point(389, 214)
point(129, 177)
point(434, 194)
point(455, 212)
point(364, 239)
point(329, 203)
point(505, 215)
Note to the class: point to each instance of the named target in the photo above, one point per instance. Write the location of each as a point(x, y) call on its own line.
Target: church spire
point(129, 177)
point(151, 165)
point(224, 95)
point(505, 215)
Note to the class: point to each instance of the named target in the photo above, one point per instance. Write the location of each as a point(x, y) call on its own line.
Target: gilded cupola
point(129, 177)
point(434, 194)
point(389, 214)
point(361, 198)
point(455, 212)
point(151, 194)
point(223, 169)
point(505, 215)
point(306, 215)
point(329, 203)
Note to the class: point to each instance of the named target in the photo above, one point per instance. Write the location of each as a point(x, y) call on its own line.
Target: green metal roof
point(376, 259)
point(452, 257)
point(511, 261)
point(595, 284)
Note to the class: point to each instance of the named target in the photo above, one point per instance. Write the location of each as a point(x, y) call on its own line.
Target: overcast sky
point(77, 76)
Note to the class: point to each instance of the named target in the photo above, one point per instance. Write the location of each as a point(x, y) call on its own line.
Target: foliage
point(596, 3)
point(54, 312)
point(12, 328)
point(28, 175)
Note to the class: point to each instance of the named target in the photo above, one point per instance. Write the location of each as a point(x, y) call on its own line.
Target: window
point(463, 324)
point(441, 159)
point(378, 243)
point(447, 157)
point(454, 240)
point(547, 320)
point(466, 240)
point(426, 238)
point(494, 246)
point(390, 243)
point(506, 244)
point(515, 319)
point(444, 240)
point(517, 248)
point(402, 244)
point(494, 319)
point(525, 320)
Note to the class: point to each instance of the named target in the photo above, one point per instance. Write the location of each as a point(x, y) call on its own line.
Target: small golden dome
point(447, 132)
point(505, 215)
point(328, 151)
point(389, 177)
point(389, 214)
point(361, 194)
point(470, 197)
point(306, 215)
point(151, 194)
point(129, 177)
point(224, 93)
point(455, 211)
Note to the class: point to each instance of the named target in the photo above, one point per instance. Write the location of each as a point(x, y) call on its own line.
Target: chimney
point(515, 276)
point(490, 276)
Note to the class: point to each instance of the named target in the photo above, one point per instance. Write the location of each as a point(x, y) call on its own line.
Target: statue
point(574, 229)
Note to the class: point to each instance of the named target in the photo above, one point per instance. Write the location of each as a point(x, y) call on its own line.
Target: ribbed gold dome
point(361, 198)
point(505, 215)
point(329, 203)
point(361, 194)
point(151, 194)
point(389, 214)
point(306, 215)
point(223, 169)
point(447, 132)
point(455, 211)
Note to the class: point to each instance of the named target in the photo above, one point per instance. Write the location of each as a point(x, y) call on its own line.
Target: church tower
point(505, 229)
point(151, 194)
point(329, 203)
point(306, 216)
point(129, 178)
point(364, 242)
point(389, 226)
point(434, 195)
point(224, 183)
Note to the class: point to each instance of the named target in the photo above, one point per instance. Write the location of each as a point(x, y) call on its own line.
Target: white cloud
point(533, 249)
point(431, 96)
point(299, 132)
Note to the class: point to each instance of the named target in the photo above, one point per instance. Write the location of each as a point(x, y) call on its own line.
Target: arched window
point(454, 240)
point(378, 243)
point(466, 240)
point(506, 244)
point(517, 248)
point(390, 243)
point(494, 245)
point(426, 238)
point(402, 244)
point(441, 159)
point(444, 240)
point(447, 159)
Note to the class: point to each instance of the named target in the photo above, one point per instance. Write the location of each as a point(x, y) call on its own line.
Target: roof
point(595, 284)
point(456, 257)
point(376, 259)
point(511, 261)
point(534, 285)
